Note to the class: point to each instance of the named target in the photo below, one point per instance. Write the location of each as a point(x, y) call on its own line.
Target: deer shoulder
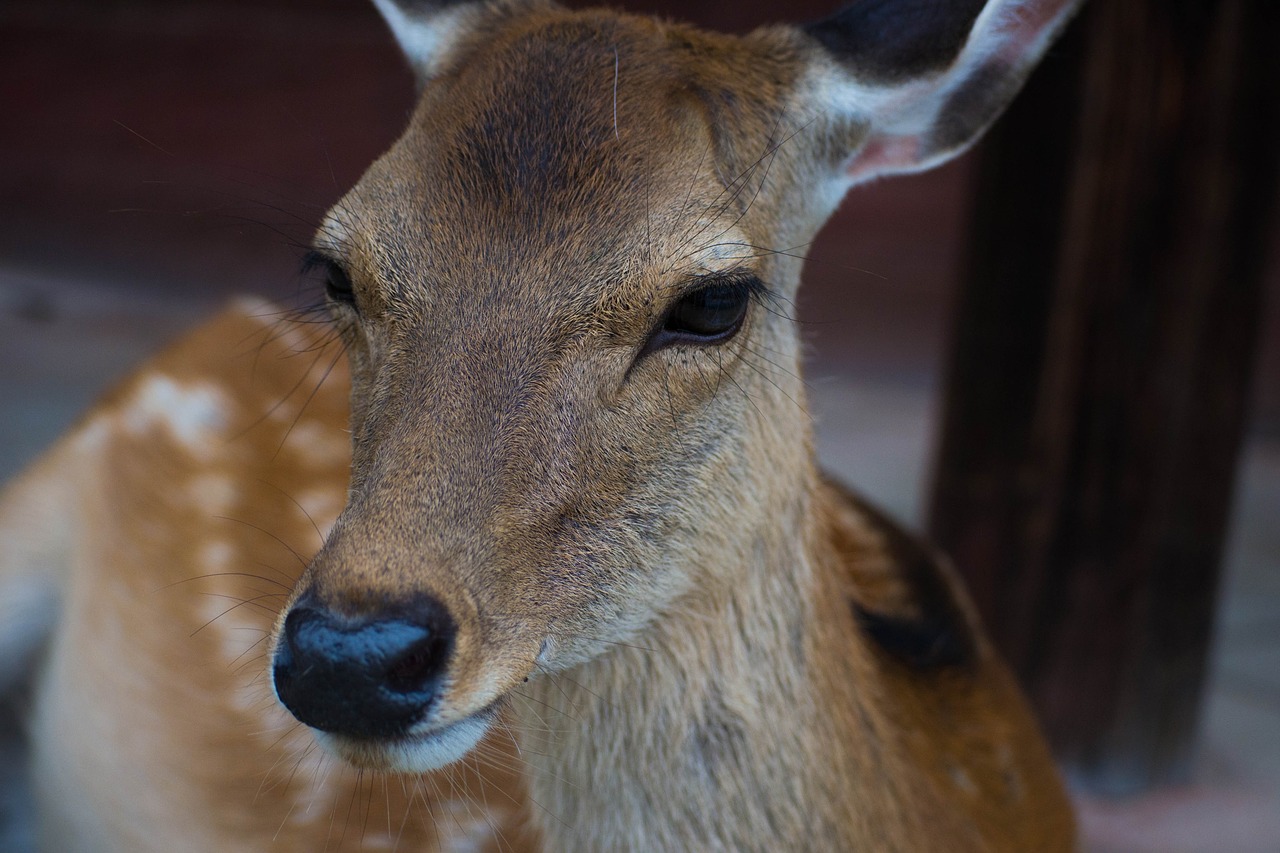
point(957, 708)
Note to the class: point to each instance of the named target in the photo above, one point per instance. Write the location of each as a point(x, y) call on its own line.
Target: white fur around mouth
point(414, 752)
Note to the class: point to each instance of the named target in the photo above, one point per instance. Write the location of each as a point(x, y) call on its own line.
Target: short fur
point(700, 642)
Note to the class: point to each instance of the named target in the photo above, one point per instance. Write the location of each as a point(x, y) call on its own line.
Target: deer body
point(582, 504)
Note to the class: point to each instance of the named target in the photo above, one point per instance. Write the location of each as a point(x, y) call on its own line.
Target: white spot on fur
point(231, 624)
point(313, 801)
point(288, 335)
point(472, 825)
point(315, 442)
point(92, 435)
point(193, 413)
point(213, 492)
point(322, 507)
point(230, 614)
point(216, 556)
point(372, 840)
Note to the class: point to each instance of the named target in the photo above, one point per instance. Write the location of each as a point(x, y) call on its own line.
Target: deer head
point(564, 293)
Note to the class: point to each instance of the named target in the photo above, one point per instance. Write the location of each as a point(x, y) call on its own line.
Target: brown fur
point(155, 727)
point(645, 541)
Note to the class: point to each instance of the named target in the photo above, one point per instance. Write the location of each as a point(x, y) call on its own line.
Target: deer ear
point(913, 83)
point(428, 30)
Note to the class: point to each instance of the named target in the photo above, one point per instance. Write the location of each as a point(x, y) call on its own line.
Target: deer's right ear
point(898, 86)
point(428, 30)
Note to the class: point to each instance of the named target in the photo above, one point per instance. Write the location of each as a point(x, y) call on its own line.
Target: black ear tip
point(885, 40)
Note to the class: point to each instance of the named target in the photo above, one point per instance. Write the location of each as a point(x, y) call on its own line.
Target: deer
point(533, 552)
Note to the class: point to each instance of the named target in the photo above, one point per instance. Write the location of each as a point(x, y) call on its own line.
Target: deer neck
point(715, 729)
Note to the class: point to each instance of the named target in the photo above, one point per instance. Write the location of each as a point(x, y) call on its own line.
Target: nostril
point(366, 676)
point(421, 662)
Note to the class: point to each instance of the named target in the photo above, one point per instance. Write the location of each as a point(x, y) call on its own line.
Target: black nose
point(362, 677)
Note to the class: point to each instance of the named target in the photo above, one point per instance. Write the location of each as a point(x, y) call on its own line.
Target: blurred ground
point(157, 157)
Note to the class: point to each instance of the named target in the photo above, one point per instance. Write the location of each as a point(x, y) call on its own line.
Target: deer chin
point(424, 749)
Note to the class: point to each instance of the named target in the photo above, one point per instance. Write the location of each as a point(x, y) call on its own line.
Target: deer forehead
point(576, 151)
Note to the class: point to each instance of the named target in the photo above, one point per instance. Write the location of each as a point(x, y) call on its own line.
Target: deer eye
point(338, 287)
point(337, 284)
point(710, 313)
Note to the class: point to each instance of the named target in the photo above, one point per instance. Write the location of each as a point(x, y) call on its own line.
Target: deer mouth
point(425, 748)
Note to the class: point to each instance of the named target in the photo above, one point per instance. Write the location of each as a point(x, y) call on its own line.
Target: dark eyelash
point(337, 282)
point(679, 324)
point(746, 280)
point(312, 261)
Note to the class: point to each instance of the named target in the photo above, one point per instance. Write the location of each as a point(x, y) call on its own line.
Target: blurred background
point(160, 156)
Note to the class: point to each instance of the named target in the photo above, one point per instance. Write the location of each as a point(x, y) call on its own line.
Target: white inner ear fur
point(898, 118)
point(426, 36)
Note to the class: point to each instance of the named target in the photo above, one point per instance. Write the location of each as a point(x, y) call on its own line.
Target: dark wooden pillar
point(1100, 368)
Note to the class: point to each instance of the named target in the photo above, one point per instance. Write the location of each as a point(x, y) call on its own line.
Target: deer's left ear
point(429, 30)
point(909, 84)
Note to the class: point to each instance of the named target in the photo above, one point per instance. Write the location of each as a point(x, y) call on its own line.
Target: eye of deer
point(711, 314)
point(337, 284)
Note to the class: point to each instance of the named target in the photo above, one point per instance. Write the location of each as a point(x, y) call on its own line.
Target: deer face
point(565, 295)
point(565, 343)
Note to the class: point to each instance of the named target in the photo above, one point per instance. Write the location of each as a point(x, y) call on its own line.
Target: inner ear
point(883, 155)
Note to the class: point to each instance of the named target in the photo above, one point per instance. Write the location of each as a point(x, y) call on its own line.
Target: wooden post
point(1100, 368)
